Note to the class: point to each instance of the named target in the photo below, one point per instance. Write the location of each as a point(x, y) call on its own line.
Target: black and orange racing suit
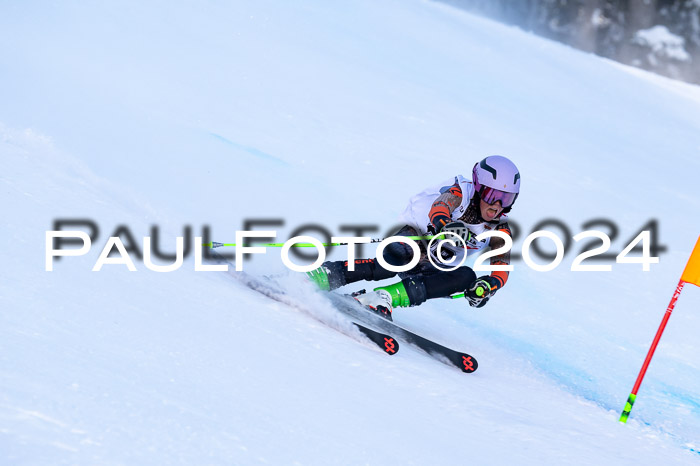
point(425, 281)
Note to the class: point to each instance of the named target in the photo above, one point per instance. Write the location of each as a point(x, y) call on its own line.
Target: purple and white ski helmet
point(497, 179)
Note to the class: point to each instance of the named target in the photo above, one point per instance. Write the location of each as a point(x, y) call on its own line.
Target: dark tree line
point(658, 35)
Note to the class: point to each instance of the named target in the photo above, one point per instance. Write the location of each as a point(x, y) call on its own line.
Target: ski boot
point(385, 298)
point(329, 276)
point(378, 301)
point(319, 276)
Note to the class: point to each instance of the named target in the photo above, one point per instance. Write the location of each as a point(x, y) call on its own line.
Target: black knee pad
point(415, 289)
point(444, 284)
point(398, 254)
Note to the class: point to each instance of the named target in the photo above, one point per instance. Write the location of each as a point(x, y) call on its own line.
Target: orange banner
point(691, 274)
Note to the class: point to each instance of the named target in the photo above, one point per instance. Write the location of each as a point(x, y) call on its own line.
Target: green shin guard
point(399, 296)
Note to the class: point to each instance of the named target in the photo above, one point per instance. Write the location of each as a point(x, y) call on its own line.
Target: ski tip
point(386, 343)
point(469, 363)
point(391, 346)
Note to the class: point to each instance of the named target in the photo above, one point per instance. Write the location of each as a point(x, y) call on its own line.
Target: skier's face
point(490, 211)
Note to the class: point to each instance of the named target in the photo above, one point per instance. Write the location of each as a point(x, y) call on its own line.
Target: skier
point(461, 207)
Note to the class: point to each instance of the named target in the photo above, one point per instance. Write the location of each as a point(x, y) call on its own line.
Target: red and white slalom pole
point(691, 274)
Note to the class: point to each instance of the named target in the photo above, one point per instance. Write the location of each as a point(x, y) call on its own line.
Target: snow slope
point(213, 113)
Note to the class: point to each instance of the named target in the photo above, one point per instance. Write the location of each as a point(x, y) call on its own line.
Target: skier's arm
point(486, 286)
point(441, 211)
point(499, 278)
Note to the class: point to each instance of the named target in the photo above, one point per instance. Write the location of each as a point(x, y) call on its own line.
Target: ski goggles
point(491, 196)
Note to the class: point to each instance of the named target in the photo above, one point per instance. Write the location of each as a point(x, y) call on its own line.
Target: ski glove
point(480, 291)
point(438, 223)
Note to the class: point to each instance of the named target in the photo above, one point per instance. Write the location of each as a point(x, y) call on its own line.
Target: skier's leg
point(334, 274)
point(415, 290)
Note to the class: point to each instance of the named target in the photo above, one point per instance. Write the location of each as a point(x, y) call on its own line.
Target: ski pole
point(214, 244)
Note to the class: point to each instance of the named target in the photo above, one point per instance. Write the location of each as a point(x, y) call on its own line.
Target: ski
point(385, 342)
point(348, 305)
point(268, 288)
